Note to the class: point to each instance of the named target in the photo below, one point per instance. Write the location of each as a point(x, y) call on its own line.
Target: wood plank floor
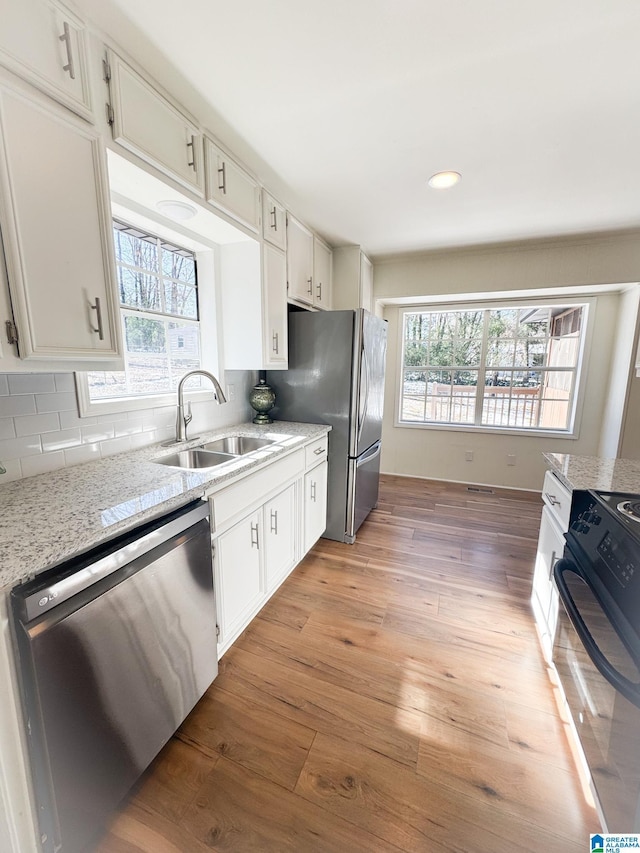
point(391, 696)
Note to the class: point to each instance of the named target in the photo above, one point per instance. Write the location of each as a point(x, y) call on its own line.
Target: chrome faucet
point(183, 420)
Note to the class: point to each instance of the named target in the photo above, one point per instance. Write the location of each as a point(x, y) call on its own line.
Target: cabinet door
point(366, 283)
point(144, 122)
point(545, 595)
point(274, 221)
point(230, 187)
point(299, 261)
point(315, 504)
point(43, 42)
point(321, 274)
point(56, 227)
point(274, 295)
point(280, 541)
point(238, 574)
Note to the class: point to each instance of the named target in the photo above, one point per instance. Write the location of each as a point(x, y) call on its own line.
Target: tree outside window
point(158, 289)
point(499, 367)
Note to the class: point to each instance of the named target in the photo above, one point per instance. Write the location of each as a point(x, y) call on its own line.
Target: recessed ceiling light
point(444, 180)
point(178, 210)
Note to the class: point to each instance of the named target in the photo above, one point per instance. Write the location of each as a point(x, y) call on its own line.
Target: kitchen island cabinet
point(554, 523)
point(56, 228)
point(566, 473)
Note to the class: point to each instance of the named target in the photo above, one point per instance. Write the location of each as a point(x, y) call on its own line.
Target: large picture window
point(158, 287)
point(499, 367)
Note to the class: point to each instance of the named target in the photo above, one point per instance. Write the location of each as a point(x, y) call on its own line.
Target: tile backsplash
point(40, 429)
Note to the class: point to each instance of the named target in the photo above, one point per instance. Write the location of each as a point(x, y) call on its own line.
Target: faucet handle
point(188, 417)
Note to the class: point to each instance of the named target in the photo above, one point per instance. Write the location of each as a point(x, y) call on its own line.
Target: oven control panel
point(606, 546)
point(618, 559)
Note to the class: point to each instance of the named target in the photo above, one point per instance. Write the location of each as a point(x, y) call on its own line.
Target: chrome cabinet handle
point(98, 309)
point(313, 491)
point(192, 146)
point(275, 345)
point(318, 451)
point(552, 499)
point(274, 223)
point(255, 543)
point(66, 38)
point(319, 286)
point(310, 283)
point(222, 173)
point(274, 521)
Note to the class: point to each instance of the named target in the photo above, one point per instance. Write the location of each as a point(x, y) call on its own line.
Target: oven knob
point(580, 527)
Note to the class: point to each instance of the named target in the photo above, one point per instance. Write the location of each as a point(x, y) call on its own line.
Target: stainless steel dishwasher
point(115, 647)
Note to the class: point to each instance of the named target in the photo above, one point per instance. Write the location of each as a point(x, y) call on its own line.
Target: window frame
point(208, 309)
point(572, 431)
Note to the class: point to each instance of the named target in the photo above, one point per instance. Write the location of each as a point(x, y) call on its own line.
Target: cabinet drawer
point(558, 498)
point(253, 489)
point(315, 452)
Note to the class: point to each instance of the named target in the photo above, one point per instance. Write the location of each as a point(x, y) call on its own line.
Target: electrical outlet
point(231, 392)
point(469, 455)
point(511, 458)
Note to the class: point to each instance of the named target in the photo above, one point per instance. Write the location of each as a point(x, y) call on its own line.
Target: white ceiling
point(354, 103)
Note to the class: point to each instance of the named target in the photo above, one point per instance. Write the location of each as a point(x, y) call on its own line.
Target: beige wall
point(586, 266)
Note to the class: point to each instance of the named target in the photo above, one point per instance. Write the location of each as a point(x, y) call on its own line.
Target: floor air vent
point(479, 489)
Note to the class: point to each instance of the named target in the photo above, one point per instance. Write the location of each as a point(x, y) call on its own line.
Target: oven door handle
point(629, 689)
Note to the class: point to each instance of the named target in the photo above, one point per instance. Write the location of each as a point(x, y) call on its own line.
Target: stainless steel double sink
point(215, 452)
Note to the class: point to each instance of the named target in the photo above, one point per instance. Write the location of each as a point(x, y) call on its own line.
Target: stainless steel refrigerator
point(336, 377)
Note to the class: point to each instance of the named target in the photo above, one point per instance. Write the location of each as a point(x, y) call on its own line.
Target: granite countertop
point(595, 472)
point(54, 516)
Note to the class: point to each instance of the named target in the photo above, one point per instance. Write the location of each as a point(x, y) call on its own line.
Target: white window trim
point(573, 432)
point(209, 320)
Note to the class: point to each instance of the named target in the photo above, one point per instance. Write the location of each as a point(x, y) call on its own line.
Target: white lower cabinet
point(238, 573)
point(263, 524)
point(280, 536)
point(553, 524)
point(315, 504)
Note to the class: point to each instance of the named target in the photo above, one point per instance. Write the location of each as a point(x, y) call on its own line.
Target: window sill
point(536, 433)
point(88, 408)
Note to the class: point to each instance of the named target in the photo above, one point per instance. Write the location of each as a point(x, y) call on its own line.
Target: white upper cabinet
point(43, 42)
point(308, 266)
point(147, 124)
point(230, 188)
point(274, 221)
point(56, 228)
point(352, 279)
point(299, 261)
point(254, 306)
point(274, 298)
point(321, 274)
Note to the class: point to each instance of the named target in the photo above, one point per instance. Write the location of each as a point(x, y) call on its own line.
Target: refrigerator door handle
point(369, 454)
point(364, 367)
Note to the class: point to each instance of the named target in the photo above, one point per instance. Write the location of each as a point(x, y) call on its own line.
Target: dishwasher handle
point(67, 579)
